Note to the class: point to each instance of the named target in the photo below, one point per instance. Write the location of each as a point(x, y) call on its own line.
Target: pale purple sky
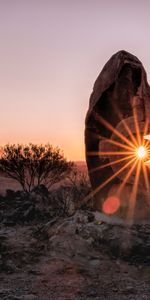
point(51, 52)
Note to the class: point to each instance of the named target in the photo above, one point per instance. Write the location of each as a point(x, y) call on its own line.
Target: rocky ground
point(70, 258)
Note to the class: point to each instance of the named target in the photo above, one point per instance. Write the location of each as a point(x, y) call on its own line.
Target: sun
point(141, 152)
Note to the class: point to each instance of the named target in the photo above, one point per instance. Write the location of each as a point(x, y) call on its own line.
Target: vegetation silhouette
point(32, 165)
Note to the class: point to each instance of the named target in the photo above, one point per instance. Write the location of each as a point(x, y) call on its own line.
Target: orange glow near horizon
point(71, 152)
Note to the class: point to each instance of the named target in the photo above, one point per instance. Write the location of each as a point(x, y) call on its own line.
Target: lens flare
point(111, 205)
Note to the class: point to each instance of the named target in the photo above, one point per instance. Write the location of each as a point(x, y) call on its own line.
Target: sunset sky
point(51, 52)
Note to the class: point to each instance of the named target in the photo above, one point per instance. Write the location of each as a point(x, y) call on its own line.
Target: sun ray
point(133, 195)
point(134, 141)
point(130, 132)
point(108, 180)
point(146, 144)
point(110, 163)
point(126, 126)
point(111, 141)
point(127, 177)
point(146, 128)
point(114, 130)
point(111, 153)
point(116, 143)
point(145, 176)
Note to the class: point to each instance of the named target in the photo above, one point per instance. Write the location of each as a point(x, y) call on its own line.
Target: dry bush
point(32, 165)
point(42, 204)
point(80, 188)
point(66, 199)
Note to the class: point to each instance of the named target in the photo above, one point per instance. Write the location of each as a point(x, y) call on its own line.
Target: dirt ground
point(60, 262)
point(32, 270)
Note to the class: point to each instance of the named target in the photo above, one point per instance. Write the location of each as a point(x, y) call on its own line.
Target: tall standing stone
point(120, 88)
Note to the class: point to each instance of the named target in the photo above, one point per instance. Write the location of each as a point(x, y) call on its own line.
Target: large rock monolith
point(120, 100)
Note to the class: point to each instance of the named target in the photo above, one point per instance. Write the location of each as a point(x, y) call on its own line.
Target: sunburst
point(134, 153)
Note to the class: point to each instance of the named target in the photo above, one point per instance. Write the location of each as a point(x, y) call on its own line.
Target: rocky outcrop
point(78, 257)
point(81, 237)
point(120, 91)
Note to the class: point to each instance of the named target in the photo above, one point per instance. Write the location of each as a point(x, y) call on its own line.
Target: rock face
point(120, 100)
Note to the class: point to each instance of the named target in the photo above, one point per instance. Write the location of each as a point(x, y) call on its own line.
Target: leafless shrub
point(32, 165)
point(66, 199)
point(80, 188)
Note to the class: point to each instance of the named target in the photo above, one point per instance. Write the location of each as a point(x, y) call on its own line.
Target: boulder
point(117, 119)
